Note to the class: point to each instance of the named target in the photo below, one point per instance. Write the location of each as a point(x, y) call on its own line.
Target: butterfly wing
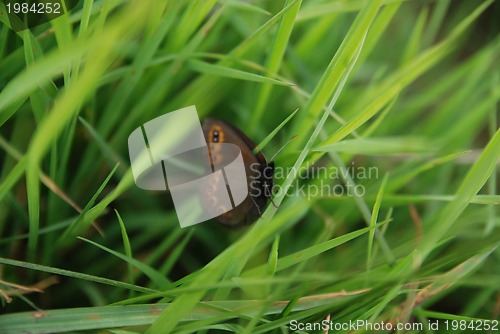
point(219, 131)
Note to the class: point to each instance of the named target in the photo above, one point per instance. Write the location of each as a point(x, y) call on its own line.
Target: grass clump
point(386, 203)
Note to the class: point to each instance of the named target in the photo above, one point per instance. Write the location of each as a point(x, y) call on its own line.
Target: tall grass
point(397, 99)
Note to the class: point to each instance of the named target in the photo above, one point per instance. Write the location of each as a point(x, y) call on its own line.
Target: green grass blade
point(232, 73)
point(158, 279)
point(73, 274)
point(126, 246)
point(273, 133)
point(338, 69)
point(274, 60)
point(380, 146)
point(473, 182)
point(373, 222)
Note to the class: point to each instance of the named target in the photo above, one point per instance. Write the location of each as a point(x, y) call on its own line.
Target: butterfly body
point(259, 172)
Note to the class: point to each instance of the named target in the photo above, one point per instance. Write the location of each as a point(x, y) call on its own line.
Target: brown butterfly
point(259, 172)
